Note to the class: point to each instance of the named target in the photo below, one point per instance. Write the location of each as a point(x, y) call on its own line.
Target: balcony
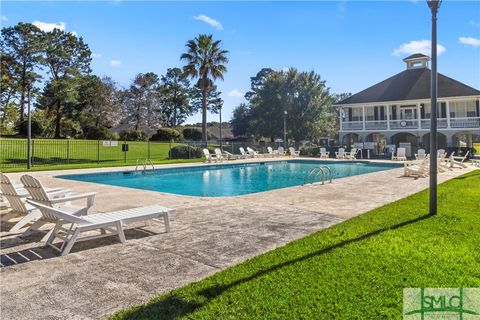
point(442, 123)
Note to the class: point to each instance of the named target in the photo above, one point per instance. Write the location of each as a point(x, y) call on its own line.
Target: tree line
point(289, 99)
point(53, 70)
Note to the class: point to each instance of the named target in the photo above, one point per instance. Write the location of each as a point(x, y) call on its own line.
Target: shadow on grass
point(171, 307)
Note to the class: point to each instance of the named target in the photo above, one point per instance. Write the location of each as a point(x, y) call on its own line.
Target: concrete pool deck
point(102, 276)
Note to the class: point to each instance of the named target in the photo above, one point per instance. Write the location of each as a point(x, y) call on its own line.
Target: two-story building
point(397, 110)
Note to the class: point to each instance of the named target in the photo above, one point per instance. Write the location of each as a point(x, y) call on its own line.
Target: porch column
point(341, 119)
point(419, 116)
point(388, 116)
point(363, 117)
point(448, 114)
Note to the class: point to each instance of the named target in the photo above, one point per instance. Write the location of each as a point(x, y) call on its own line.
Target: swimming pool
point(227, 179)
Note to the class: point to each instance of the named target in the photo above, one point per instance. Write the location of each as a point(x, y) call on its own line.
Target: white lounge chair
point(110, 223)
point(270, 152)
point(38, 193)
point(280, 151)
point(219, 155)
point(244, 154)
point(461, 159)
point(440, 152)
point(16, 196)
point(454, 163)
point(230, 156)
point(340, 154)
point(400, 155)
point(293, 153)
point(416, 170)
point(324, 153)
point(208, 156)
point(421, 154)
point(352, 155)
point(252, 153)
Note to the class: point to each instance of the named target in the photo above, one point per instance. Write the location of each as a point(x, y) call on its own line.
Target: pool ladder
point(143, 164)
point(315, 172)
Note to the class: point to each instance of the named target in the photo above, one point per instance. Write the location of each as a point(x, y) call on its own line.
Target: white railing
point(465, 122)
point(441, 123)
point(376, 125)
point(404, 124)
point(352, 125)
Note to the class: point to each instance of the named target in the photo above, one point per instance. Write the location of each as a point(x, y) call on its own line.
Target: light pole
point(433, 5)
point(29, 126)
point(285, 129)
point(221, 146)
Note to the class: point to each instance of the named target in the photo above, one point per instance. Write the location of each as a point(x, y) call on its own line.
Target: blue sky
point(351, 44)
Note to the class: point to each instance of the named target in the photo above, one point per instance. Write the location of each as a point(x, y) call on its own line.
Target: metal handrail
point(309, 173)
point(321, 169)
point(141, 162)
point(149, 161)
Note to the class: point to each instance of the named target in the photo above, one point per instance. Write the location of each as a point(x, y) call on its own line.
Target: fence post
point(169, 150)
point(98, 151)
point(68, 151)
point(148, 148)
point(125, 152)
point(33, 152)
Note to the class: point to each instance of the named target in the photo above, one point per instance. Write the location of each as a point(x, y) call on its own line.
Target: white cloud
point(74, 33)
point(47, 27)
point(96, 55)
point(4, 18)
point(285, 69)
point(469, 41)
point(235, 93)
point(115, 63)
point(418, 46)
point(214, 23)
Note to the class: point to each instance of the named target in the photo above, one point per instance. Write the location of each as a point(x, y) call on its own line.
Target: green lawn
point(477, 147)
point(354, 270)
point(48, 154)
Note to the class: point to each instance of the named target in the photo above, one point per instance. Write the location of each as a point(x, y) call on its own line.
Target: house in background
point(397, 111)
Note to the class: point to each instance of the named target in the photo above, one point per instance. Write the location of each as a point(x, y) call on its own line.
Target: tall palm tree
point(205, 61)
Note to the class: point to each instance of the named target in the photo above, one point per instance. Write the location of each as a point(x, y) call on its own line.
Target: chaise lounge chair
point(400, 155)
point(293, 153)
point(280, 151)
point(110, 223)
point(340, 154)
point(208, 156)
point(416, 170)
point(324, 154)
point(352, 155)
point(252, 153)
point(219, 155)
point(420, 155)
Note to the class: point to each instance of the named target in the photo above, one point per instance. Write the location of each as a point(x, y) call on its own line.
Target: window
point(441, 110)
point(357, 114)
point(463, 109)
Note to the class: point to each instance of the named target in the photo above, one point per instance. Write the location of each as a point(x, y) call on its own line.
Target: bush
point(98, 133)
point(132, 135)
point(22, 128)
point(194, 134)
point(461, 151)
point(165, 134)
point(310, 151)
point(185, 152)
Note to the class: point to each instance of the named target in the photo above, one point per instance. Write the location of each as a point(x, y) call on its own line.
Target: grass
point(354, 270)
point(56, 154)
point(477, 147)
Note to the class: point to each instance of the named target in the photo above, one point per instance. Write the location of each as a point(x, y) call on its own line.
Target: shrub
point(132, 135)
point(165, 134)
point(185, 152)
point(310, 151)
point(194, 134)
point(98, 133)
point(22, 128)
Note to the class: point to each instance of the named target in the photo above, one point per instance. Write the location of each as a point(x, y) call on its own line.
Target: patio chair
point(340, 154)
point(324, 153)
point(454, 163)
point(244, 154)
point(400, 155)
point(252, 153)
point(230, 156)
point(420, 155)
point(270, 152)
point(219, 155)
point(208, 156)
point(440, 152)
point(281, 151)
point(352, 155)
point(293, 153)
point(16, 195)
point(460, 158)
point(110, 223)
point(416, 170)
point(38, 193)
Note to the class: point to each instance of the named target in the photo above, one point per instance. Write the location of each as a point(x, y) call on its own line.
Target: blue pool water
point(229, 179)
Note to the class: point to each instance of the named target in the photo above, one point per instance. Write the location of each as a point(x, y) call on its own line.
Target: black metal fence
point(68, 152)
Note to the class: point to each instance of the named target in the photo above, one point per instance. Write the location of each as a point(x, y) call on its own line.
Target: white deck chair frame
point(294, 153)
point(110, 223)
point(324, 154)
point(340, 154)
point(400, 155)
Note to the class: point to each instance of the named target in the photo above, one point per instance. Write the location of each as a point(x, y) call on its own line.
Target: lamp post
point(285, 129)
point(433, 5)
point(221, 146)
point(29, 125)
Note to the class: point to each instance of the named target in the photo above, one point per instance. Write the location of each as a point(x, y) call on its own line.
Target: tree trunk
point(58, 121)
point(204, 116)
point(22, 96)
